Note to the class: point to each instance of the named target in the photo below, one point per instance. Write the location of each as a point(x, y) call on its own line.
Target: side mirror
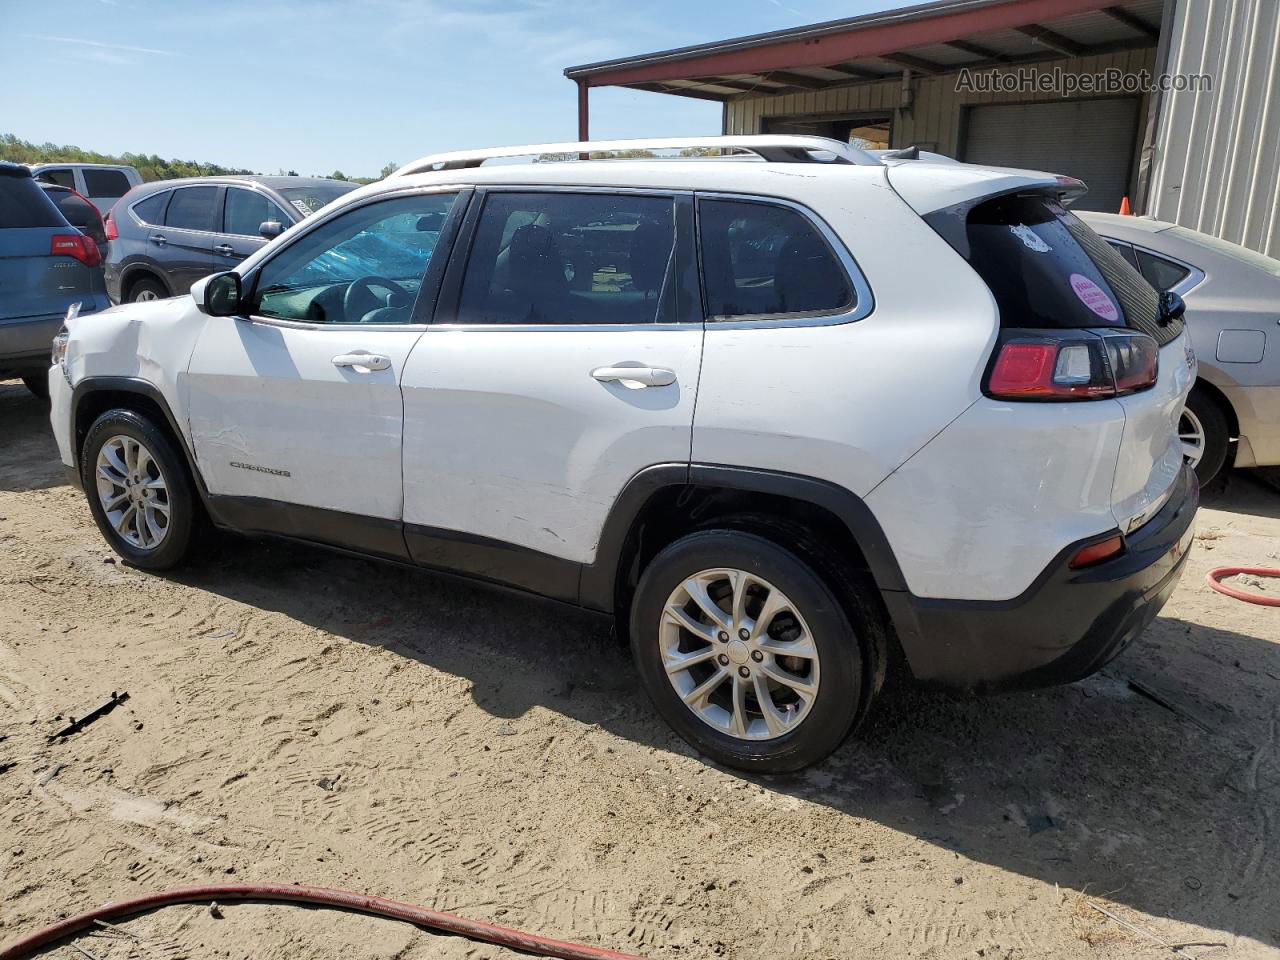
point(218, 295)
point(1172, 307)
point(270, 229)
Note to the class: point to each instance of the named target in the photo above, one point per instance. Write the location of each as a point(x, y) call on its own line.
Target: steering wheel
point(360, 298)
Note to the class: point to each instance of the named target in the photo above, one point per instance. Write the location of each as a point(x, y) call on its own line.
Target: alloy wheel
point(133, 492)
point(1191, 434)
point(145, 295)
point(739, 654)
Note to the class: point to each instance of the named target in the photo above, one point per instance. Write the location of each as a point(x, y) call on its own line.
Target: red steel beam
point(872, 41)
point(584, 126)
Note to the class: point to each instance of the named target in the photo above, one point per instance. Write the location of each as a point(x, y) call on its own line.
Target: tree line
point(152, 167)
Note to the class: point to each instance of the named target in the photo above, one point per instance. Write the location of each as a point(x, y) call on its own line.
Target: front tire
point(1205, 435)
point(747, 653)
point(139, 490)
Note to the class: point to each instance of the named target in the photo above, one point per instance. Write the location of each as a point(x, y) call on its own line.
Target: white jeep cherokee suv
point(787, 412)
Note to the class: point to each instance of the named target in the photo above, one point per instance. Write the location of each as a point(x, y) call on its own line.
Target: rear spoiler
point(928, 185)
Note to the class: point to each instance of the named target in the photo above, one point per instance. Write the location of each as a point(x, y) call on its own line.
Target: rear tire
point(38, 384)
point(1203, 427)
point(145, 289)
point(707, 670)
point(144, 503)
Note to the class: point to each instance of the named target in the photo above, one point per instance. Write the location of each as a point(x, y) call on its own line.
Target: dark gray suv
point(166, 235)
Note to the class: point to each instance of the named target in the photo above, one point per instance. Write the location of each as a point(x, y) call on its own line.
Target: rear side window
point(191, 208)
point(1161, 273)
point(151, 210)
point(246, 210)
point(23, 204)
point(61, 176)
point(110, 184)
point(1047, 269)
point(553, 258)
point(762, 259)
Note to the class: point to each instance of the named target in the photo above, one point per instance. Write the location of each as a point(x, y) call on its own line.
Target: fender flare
point(598, 581)
point(143, 388)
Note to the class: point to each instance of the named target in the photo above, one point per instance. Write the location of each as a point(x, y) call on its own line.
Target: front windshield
point(1228, 249)
point(307, 200)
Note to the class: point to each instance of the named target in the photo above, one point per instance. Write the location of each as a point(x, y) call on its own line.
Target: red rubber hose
point(320, 896)
point(1215, 577)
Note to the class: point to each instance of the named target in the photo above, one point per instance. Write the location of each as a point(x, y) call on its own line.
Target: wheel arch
point(1214, 393)
point(93, 396)
point(141, 271)
point(666, 501)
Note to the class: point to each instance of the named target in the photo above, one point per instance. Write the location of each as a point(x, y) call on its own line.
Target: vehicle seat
point(803, 279)
point(536, 274)
point(650, 256)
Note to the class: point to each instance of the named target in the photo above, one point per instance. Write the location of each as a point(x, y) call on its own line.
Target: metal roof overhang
point(928, 39)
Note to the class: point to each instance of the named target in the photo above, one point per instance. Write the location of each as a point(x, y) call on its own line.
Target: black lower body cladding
point(1067, 625)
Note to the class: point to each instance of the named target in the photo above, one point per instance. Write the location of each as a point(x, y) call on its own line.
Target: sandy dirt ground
point(296, 715)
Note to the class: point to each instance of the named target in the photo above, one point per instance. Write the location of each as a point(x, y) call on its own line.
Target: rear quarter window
point(151, 210)
point(761, 259)
point(23, 204)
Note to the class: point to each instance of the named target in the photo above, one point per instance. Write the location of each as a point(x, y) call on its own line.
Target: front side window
point(762, 259)
point(363, 266)
point(108, 184)
point(247, 210)
point(192, 208)
point(575, 258)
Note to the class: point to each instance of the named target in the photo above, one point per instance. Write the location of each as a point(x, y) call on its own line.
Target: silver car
point(1233, 314)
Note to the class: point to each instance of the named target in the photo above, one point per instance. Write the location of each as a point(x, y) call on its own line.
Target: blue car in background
point(46, 265)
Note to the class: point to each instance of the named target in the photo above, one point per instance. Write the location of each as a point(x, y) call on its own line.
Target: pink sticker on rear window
point(1095, 298)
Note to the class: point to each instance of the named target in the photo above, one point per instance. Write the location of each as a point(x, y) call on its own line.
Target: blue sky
point(319, 85)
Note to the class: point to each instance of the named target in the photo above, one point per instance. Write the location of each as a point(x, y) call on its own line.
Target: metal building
point(1065, 85)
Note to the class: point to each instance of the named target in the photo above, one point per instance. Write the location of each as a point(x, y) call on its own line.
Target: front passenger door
point(295, 406)
point(244, 212)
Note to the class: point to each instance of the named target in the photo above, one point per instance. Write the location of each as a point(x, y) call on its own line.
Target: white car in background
point(102, 184)
point(1232, 296)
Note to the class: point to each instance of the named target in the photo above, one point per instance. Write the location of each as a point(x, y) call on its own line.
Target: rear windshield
point(23, 204)
point(1047, 269)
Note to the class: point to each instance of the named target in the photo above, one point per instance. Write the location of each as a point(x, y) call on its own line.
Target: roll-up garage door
point(1092, 140)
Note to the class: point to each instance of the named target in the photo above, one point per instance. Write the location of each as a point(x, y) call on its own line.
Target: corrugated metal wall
point(1217, 162)
point(934, 119)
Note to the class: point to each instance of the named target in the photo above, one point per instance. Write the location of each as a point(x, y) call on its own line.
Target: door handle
point(635, 377)
point(158, 239)
point(225, 249)
point(362, 362)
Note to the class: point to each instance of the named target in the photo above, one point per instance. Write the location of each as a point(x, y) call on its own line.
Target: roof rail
point(775, 149)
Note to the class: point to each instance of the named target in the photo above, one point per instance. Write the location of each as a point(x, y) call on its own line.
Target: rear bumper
point(25, 343)
point(1065, 626)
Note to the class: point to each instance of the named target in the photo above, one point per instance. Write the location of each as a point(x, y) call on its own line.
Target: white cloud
point(126, 48)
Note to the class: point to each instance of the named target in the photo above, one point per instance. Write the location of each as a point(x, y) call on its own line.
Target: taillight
point(1078, 366)
point(109, 225)
point(78, 247)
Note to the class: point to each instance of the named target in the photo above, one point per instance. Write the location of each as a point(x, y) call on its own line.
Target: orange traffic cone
point(1125, 209)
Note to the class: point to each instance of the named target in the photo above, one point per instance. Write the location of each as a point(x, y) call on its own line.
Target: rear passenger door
point(183, 247)
point(243, 213)
point(563, 359)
